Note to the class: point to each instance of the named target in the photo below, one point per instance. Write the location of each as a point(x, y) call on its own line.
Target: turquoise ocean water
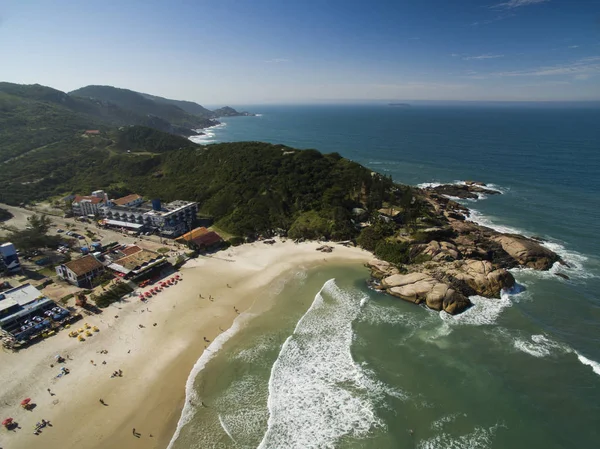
point(334, 365)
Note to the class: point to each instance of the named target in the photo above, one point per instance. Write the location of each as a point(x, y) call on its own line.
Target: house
point(132, 200)
point(80, 272)
point(207, 241)
point(192, 235)
point(137, 262)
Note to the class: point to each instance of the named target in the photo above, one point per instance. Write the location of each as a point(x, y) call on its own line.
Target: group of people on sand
point(40, 425)
point(118, 373)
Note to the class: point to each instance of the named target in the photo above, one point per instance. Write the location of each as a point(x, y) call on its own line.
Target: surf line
point(226, 429)
point(270, 401)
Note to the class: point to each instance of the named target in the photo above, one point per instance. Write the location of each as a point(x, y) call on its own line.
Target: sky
point(265, 51)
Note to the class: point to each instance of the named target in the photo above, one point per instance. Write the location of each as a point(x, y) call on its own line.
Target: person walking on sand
point(101, 401)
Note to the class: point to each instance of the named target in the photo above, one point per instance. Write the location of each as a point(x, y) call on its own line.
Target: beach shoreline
point(156, 359)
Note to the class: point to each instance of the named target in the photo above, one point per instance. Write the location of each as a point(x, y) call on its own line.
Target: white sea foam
point(190, 395)
point(208, 135)
point(242, 414)
point(224, 426)
point(376, 313)
point(577, 262)
point(480, 438)
point(317, 393)
point(439, 423)
point(595, 365)
point(484, 311)
point(540, 346)
point(253, 353)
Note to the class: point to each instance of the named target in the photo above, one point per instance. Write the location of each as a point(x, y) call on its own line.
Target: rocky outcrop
point(458, 258)
point(422, 288)
point(527, 252)
point(470, 190)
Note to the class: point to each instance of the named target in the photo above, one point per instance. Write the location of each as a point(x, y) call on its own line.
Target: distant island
point(399, 105)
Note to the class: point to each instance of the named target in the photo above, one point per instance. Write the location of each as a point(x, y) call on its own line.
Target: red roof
point(128, 251)
point(127, 199)
point(92, 131)
point(92, 199)
point(208, 239)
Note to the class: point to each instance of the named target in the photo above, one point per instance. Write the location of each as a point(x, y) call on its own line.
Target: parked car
point(60, 231)
point(69, 232)
point(80, 237)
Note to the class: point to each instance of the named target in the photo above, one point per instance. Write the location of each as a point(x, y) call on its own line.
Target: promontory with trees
point(427, 251)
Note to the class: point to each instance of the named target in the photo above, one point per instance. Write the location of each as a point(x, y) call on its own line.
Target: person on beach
point(101, 401)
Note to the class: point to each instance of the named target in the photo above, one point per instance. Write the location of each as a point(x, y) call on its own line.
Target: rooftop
point(129, 250)
point(193, 234)
point(83, 265)
point(127, 199)
point(21, 295)
point(208, 239)
point(137, 259)
point(91, 199)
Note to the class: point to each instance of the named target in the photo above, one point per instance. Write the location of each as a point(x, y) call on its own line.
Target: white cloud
point(573, 46)
point(414, 38)
point(581, 69)
point(277, 60)
point(512, 4)
point(487, 56)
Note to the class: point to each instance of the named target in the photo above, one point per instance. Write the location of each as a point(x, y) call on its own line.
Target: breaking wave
point(317, 392)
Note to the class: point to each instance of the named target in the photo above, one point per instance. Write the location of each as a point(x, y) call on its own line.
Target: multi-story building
point(89, 205)
point(9, 259)
point(131, 212)
point(171, 219)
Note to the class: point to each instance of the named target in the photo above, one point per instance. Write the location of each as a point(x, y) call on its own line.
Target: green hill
point(188, 106)
point(139, 104)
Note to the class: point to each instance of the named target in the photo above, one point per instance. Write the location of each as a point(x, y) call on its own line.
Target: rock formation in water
point(459, 258)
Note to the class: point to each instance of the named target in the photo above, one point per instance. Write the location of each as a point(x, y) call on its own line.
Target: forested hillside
point(248, 187)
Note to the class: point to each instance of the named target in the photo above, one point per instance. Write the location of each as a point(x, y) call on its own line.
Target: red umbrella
point(7, 422)
point(26, 401)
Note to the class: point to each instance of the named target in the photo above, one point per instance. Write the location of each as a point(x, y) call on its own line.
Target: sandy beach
point(155, 344)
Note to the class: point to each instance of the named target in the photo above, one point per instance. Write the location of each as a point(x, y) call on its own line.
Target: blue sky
point(266, 51)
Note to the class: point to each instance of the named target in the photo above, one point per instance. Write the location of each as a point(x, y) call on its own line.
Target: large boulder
point(381, 269)
point(419, 288)
point(399, 280)
point(527, 252)
point(476, 277)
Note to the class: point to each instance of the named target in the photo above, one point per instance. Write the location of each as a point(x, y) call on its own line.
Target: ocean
point(332, 364)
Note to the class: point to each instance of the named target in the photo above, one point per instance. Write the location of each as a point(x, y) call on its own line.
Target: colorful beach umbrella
point(7, 422)
point(25, 401)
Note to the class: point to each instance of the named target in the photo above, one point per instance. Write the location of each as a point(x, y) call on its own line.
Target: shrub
point(393, 252)
point(112, 295)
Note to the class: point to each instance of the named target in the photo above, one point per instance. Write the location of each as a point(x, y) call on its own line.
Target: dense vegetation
point(34, 116)
point(249, 188)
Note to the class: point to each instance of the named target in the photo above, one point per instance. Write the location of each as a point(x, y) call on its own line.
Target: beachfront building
point(133, 262)
point(206, 242)
point(80, 272)
point(171, 219)
point(189, 236)
point(132, 213)
point(89, 205)
point(9, 259)
point(26, 312)
point(132, 200)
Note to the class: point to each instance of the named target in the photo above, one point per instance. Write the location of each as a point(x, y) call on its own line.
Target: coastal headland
point(154, 344)
point(458, 258)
